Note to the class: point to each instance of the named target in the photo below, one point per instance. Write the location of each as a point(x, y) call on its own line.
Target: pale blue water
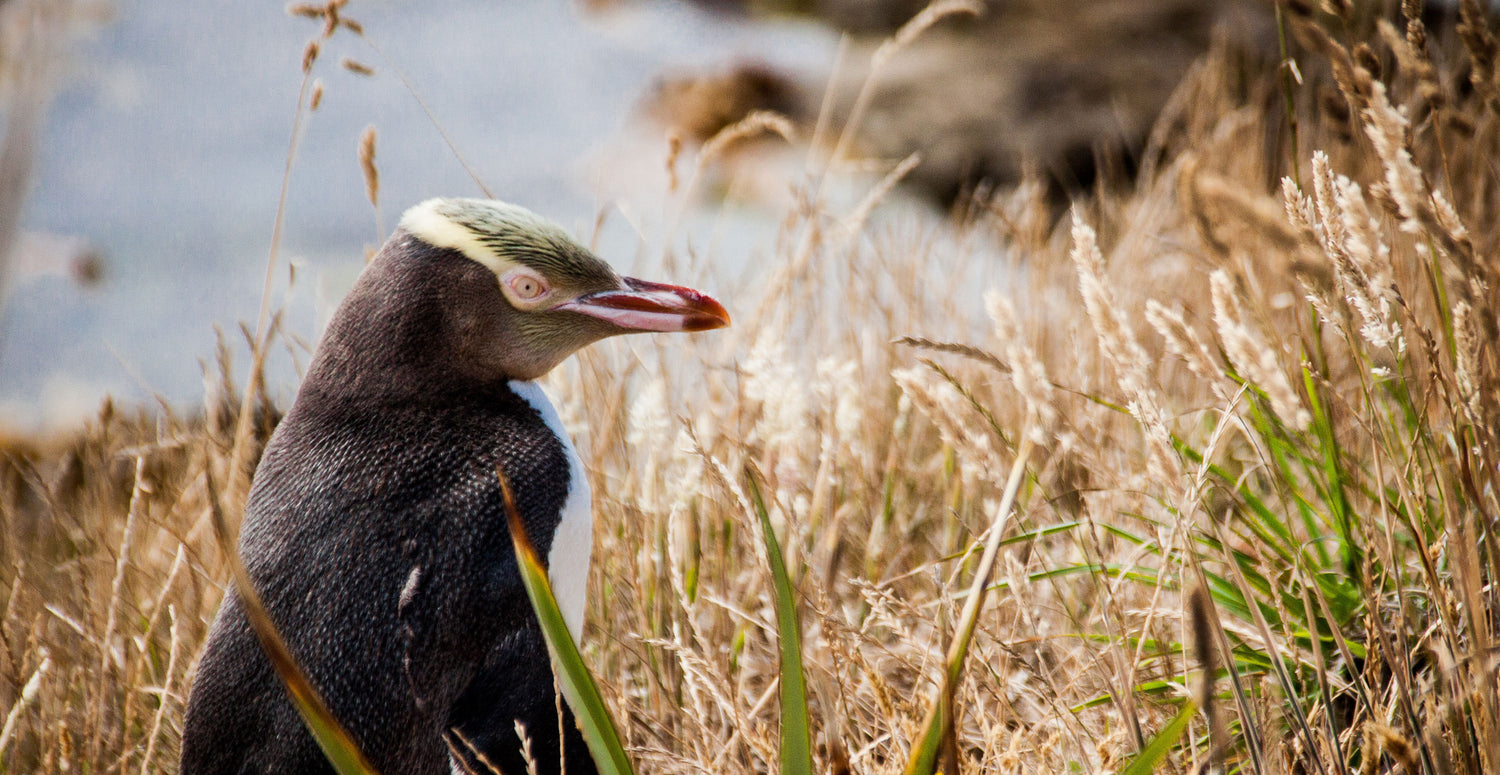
point(166, 143)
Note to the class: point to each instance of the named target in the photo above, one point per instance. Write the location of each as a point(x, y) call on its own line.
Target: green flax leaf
point(796, 727)
point(573, 675)
point(1145, 762)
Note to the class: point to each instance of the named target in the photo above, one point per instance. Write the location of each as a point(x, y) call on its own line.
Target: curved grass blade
point(938, 734)
point(573, 675)
point(796, 727)
point(338, 746)
point(1145, 763)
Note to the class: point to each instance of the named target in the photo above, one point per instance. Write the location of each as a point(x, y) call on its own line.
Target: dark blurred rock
point(1058, 86)
point(871, 17)
point(698, 106)
point(867, 17)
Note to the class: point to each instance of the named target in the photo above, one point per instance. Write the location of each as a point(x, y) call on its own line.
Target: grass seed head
point(310, 55)
point(357, 67)
point(367, 165)
point(1027, 373)
point(1255, 360)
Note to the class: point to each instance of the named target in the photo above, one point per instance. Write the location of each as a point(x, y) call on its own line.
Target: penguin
point(376, 531)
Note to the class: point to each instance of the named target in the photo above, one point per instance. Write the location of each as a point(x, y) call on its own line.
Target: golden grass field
point(1255, 392)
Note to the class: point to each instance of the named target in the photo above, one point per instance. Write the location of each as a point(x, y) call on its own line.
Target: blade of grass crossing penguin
point(376, 529)
point(573, 675)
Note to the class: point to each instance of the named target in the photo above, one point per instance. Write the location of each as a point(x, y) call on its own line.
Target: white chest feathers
point(573, 543)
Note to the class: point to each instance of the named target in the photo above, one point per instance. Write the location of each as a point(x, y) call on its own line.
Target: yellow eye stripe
point(430, 223)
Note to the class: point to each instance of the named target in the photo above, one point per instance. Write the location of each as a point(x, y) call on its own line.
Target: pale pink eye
point(527, 287)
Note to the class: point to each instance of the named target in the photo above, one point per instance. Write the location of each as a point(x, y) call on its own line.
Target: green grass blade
point(938, 724)
point(796, 727)
point(338, 746)
point(937, 729)
point(1150, 756)
point(1140, 575)
point(1333, 469)
point(573, 675)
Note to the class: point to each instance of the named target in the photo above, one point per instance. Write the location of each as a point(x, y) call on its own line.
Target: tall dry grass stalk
point(1289, 405)
point(34, 39)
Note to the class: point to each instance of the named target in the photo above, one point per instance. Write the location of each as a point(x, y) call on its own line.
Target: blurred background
point(146, 142)
point(159, 137)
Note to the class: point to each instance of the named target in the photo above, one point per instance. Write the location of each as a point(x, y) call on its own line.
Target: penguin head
point(529, 295)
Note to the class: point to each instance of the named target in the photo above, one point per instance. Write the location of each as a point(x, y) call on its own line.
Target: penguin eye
point(526, 286)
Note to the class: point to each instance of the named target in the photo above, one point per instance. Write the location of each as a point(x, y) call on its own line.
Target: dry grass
point(1283, 394)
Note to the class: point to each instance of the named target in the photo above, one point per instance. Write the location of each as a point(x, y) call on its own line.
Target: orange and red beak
point(641, 305)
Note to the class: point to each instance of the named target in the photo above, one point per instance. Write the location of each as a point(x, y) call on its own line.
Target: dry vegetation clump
point(111, 578)
point(1263, 392)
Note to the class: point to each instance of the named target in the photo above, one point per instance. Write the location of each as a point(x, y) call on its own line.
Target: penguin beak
point(641, 305)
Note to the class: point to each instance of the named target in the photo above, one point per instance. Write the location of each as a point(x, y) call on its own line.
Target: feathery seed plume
point(1466, 357)
point(1118, 343)
point(1183, 341)
point(310, 55)
point(355, 66)
point(771, 380)
point(833, 384)
point(367, 165)
point(953, 415)
point(1027, 373)
point(1252, 356)
point(1386, 126)
point(1361, 260)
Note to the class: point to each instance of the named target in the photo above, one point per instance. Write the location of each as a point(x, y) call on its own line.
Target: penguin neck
point(392, 338)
